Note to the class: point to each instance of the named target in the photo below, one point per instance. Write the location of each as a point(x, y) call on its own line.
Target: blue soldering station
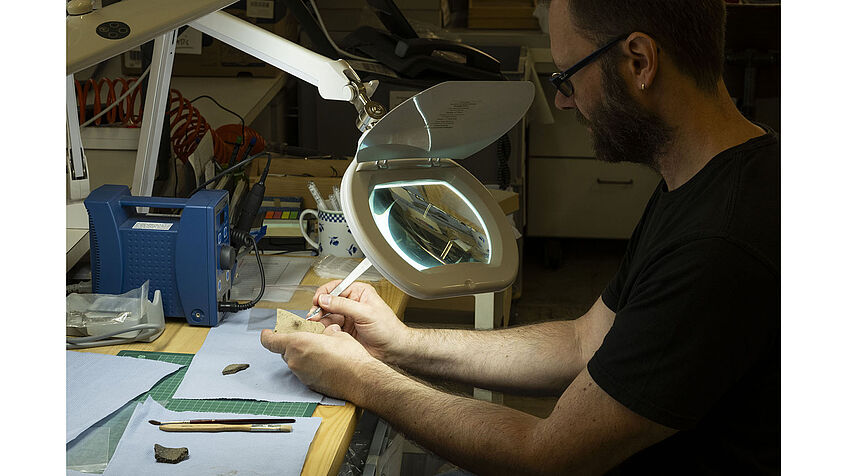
point(187, 256)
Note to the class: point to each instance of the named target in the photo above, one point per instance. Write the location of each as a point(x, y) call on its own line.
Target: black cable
point(235, 149)
point(228, 170)
point(265, 172)
point(234, 306)
point(249, 207)
point(224, 108)
point(285, 252)
point(176, 178)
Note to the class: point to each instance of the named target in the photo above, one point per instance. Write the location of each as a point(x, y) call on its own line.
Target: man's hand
point(360, 312)
point(329, 363)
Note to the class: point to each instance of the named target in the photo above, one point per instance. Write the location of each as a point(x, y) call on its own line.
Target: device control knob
point(227, 257)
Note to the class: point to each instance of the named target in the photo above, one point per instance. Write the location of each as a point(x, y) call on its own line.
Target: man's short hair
point(691, 32)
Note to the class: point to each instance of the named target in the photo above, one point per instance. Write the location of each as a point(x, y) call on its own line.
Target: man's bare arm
point(587, 433)
point(540, 358)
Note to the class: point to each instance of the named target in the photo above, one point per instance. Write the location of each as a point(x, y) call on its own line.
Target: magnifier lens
point(429, 223)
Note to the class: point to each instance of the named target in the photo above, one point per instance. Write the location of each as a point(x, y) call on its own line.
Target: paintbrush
point(231, 421)
point(217, 427)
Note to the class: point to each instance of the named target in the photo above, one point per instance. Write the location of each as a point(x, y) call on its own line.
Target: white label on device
point(132, 58)
point(260, 9)
point(149, 225)
point(190, 42)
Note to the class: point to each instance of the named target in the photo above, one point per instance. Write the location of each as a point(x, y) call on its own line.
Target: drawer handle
point(615, 182)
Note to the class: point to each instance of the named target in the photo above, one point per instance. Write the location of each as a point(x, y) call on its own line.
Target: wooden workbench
point(333, 437)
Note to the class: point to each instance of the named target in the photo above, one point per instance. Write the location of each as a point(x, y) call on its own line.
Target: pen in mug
point(333, 199)
point(313, 189)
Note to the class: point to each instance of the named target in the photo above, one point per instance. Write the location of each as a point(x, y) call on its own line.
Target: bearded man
point(675, 369)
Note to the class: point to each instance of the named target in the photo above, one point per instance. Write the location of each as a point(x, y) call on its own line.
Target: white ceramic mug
point(334, 237)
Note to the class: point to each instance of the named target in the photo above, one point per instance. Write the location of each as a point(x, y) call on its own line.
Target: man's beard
point(621, 129)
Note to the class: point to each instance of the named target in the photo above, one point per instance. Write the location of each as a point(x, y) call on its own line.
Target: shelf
point(246, 96)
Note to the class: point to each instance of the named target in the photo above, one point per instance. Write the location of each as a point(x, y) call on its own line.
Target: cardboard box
point(502, 14)
point(300, 166)
point(217, 58)
point(289, 177)
point(296, 186)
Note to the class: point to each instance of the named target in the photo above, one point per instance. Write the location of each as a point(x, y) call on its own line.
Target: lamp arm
point(335, 79)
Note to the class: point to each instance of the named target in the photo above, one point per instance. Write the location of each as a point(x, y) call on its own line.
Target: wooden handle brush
point(217, 427)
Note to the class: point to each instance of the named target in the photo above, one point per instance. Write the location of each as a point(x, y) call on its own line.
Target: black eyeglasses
point(562, 80)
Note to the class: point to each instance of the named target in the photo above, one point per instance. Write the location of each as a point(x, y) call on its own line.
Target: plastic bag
point(104, 312)
point(330, 266)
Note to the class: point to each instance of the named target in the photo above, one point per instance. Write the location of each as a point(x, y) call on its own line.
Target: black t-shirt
point(695, 342)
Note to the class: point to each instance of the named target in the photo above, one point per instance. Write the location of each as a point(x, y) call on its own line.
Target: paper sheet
point(282, 276)
point(210, 453)
point(97, 385)
point(237, 341)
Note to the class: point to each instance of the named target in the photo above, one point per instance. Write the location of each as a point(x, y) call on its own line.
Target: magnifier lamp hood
point(426, 223)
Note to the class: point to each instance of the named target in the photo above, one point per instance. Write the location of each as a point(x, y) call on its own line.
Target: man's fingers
point(332, 329)
point(330, 319)
point(324, 289)
point(315, 314)
point(274, 342)
point(340, 305)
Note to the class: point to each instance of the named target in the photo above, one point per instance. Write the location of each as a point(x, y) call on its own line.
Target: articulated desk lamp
point(422, 220)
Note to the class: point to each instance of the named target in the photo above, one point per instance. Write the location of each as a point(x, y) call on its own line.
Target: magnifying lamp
point(423, 221)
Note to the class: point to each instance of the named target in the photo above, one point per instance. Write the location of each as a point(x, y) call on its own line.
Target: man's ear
point(641, 55)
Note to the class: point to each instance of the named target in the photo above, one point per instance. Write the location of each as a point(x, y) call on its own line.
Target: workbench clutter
point(160, 413)
point(287, 195)
point(334, 236)
point(243, 452)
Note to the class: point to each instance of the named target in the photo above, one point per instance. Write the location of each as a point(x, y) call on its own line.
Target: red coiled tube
point(188, 126)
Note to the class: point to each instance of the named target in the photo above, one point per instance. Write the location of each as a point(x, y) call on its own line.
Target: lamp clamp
point(369, 111)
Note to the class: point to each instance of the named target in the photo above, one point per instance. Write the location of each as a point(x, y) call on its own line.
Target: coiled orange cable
point(129, 111)
point(188, 126)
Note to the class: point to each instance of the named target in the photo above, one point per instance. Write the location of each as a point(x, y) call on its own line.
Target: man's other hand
point(329, 363)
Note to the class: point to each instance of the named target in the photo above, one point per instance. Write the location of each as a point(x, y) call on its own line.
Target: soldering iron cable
point(228, 170)
point(235, 306)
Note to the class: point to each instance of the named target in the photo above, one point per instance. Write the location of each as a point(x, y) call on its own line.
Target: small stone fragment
point(287, 322)
point(170, 455)
point(234, 368)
